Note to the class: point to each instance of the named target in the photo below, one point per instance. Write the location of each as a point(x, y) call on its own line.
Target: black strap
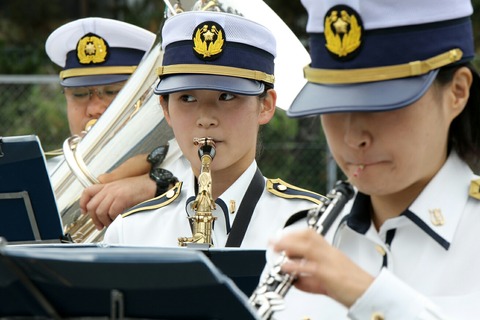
point(245, 211)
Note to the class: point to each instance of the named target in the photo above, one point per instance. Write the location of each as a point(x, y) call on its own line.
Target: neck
point(225, 178)
point(389, 206)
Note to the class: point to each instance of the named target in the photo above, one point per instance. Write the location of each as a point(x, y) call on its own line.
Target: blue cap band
point(393, 46)
point(234, 55)
point(116, 57)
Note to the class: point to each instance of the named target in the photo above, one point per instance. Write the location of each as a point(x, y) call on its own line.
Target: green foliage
point(43, 114)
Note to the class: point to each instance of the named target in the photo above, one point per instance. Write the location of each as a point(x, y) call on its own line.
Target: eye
point(111, 92)
point(79, 93)
point(227, 96)
point(187, 98)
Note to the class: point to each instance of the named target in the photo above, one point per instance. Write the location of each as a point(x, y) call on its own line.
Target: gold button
point(380, 249)
point(170, 193)
point(281, 187)
point(377, 316)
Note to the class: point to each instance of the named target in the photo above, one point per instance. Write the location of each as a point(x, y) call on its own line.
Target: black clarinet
point(269, 295)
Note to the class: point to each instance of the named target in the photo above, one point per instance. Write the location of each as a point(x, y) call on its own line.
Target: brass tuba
point(132, 124)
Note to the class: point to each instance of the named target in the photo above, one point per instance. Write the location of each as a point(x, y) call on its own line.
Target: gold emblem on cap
point(91, 49)
point(208, 40)
point(343, 31)
point(436, 217)
point(475, 189)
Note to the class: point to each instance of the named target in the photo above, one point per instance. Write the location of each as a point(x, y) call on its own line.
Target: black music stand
point(243, 266)
point(28, 209)
point(69, 280)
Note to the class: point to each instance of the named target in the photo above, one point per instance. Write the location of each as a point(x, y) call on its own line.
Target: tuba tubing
point(269, 295)
point(132, 124)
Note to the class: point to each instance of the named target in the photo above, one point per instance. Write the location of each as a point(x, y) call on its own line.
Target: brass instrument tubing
point(202, 221)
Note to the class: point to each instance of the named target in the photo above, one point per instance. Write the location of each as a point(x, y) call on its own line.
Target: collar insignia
point(208, 40)
point(436, 217)
point(92, 49)
point(343, 32)
point(475, 189)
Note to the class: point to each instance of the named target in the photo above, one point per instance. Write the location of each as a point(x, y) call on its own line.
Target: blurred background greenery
point(293, 149)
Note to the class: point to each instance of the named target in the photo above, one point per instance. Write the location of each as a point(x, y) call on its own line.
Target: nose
point(96, 106)
point(206, 116)
point(357, 133)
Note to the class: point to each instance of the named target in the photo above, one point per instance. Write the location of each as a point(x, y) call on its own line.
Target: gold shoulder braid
point(285, 190)
point(158, 202)
point(475, 189)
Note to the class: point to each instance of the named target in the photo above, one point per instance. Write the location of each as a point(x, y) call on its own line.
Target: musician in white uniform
point(400, 108)
point(217, 82)
point(97, 56)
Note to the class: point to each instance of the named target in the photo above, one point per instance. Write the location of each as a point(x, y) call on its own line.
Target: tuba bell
point(292, 56)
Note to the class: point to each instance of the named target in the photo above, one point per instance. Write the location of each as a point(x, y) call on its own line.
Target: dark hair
point(464, 135)
point(261, 95)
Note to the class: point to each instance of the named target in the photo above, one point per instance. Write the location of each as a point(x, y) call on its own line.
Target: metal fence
point(291, 149)
point(33, 105)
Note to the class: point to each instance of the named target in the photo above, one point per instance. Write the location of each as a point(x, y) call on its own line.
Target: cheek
point(333, 127)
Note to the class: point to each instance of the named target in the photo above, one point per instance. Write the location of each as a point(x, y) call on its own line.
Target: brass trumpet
point(202, 221)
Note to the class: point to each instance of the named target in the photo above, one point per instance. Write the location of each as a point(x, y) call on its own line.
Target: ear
point(164, 104)
point(268, 104)
point(460, 90)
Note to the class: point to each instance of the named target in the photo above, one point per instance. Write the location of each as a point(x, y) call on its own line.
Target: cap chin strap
point(411, 69)
point(79, 72)
point(215, 70)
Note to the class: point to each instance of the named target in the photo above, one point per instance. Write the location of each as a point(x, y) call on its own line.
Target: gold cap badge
point(92, 49)
point(208, 40)
point(343, 32)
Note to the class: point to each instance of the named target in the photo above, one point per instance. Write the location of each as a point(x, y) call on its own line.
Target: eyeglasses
point(84, 94)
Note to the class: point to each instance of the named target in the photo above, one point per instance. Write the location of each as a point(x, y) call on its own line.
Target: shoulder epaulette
point(157, 202)
point(474, 191)
point(282, 189)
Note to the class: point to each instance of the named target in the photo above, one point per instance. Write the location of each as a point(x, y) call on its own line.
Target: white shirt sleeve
point(390, 298)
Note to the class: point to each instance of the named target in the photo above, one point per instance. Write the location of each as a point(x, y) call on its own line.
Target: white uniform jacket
point(162, 220)
point(426, 261)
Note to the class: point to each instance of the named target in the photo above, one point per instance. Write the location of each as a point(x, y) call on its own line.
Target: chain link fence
point(33, 105)
point(291, 149)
